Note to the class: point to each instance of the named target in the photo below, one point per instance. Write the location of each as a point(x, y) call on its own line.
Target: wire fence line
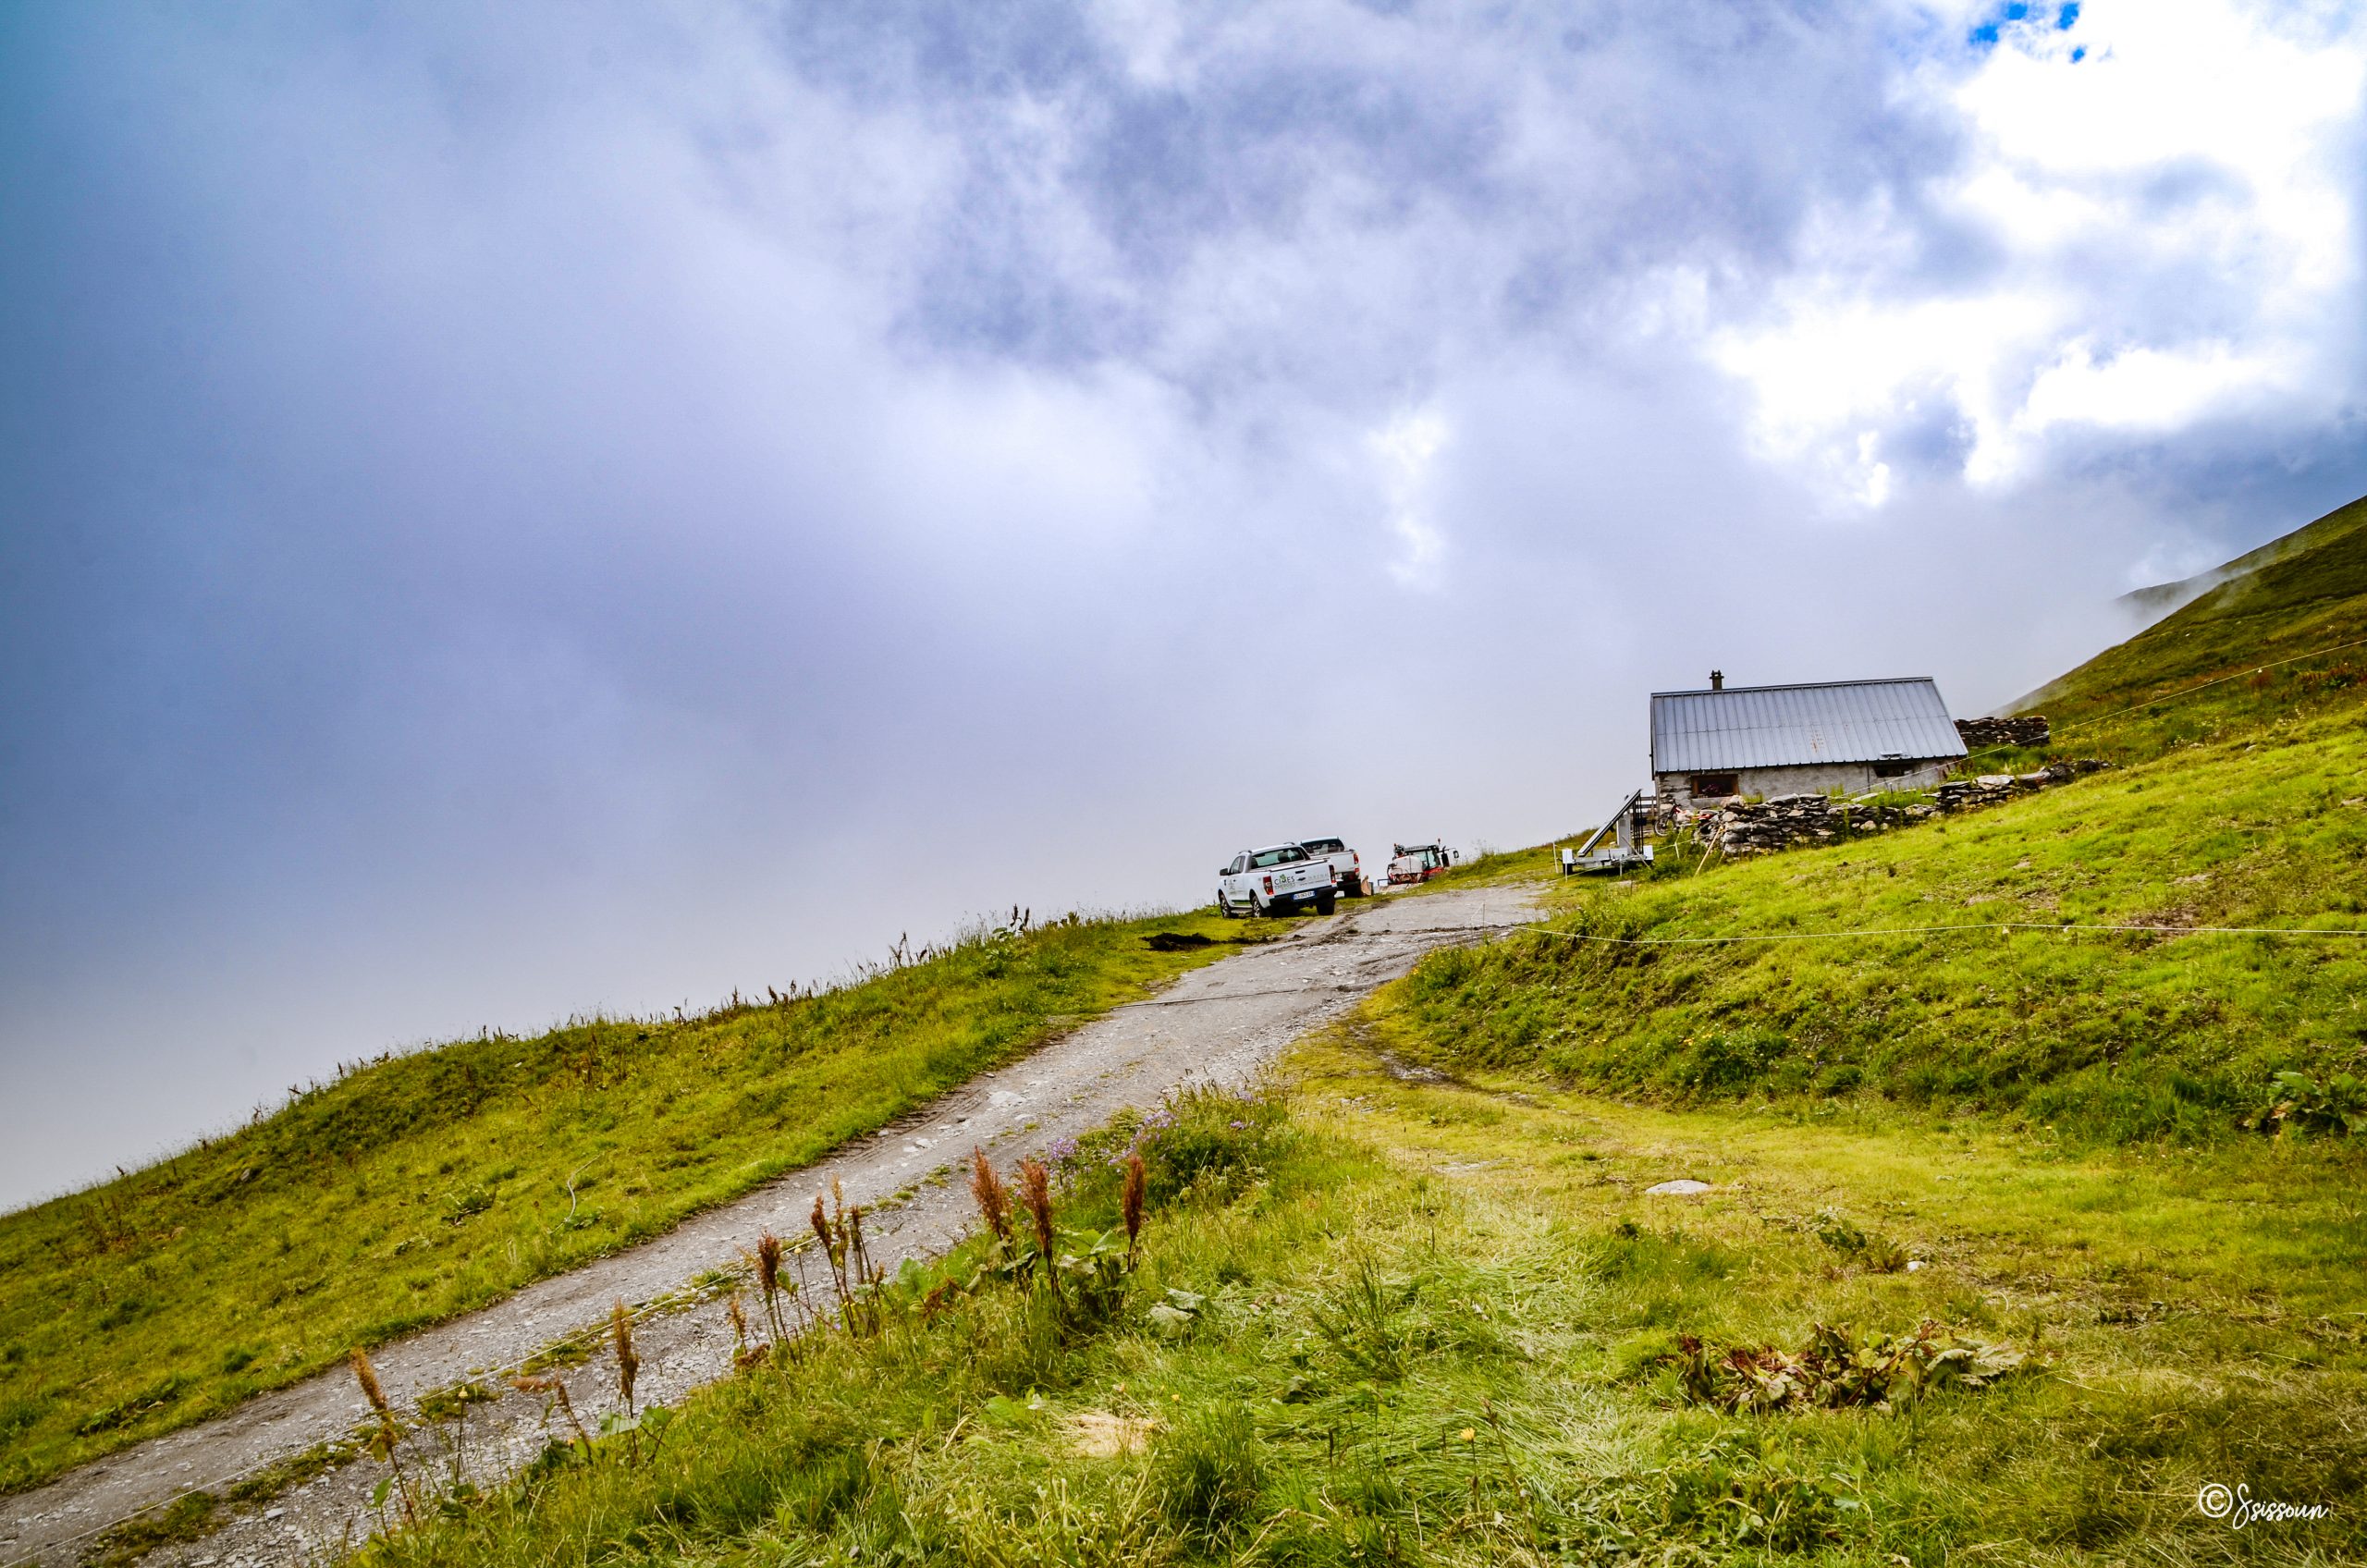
point(2186, 691)
point(2002, 926)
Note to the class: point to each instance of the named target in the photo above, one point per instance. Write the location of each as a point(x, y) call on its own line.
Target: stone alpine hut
point(1849, 736)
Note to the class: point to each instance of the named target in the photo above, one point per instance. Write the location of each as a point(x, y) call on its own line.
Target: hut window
point(1898, 770)
point(1716, 784)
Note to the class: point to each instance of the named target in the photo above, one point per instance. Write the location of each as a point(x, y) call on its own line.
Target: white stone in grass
point(1683, 1187)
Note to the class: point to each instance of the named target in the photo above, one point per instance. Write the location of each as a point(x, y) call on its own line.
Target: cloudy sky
point(507, 512)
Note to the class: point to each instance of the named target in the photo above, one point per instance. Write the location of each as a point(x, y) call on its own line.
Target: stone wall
point(1756, 827)
point(1990, 788)
point(2029, 731)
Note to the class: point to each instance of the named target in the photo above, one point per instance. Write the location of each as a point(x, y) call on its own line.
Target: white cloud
point(1406, 449)
point(2164, 195)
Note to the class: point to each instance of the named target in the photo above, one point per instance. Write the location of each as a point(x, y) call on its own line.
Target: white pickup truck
point(1268, 881)
point(1348, 866)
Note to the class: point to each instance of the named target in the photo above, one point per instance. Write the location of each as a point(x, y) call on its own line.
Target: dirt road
point(1222, 1023)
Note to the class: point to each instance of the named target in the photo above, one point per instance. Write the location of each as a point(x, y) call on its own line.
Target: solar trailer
point(1622, 853)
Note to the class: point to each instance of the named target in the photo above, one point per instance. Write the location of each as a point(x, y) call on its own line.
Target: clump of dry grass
point(1097, 1434)
point(853, 1278)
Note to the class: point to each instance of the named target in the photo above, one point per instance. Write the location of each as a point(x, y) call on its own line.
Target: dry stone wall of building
point(1990, 788)
point(2032, 731)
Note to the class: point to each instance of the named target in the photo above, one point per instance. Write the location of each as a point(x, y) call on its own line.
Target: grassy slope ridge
point(2244, 803)
point(425, 1185)
point(2304, 591)
point(2341, 520)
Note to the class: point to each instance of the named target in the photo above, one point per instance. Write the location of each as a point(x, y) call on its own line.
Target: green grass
point(1435, 1324)
point(420, 1186)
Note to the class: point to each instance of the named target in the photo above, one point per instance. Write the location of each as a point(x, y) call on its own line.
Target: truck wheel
point(1353, 889)
point(1323, 903)
point(1224, 905)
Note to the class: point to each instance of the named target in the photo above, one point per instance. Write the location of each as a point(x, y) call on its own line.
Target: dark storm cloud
point(512, 513)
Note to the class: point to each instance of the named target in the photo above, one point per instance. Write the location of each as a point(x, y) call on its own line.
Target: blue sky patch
point(1985, 36)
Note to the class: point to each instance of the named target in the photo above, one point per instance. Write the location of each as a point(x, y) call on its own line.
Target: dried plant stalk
point(628, 1361)
point(994, 1204)
point(768, 1280)
point(1036, 1195)
point(1130, 1204)
point(389, 1434)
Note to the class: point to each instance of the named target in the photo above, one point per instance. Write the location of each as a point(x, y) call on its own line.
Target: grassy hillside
point(2125, 1035)
point(2164, 596)
point(2239, 803)
point(1442, 1322)
point(420, 1186)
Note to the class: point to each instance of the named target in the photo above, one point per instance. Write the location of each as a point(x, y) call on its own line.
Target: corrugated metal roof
point(1792, 726)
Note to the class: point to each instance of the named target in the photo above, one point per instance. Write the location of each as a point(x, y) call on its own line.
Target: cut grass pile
point(419, 1186)
point(1441, 1322)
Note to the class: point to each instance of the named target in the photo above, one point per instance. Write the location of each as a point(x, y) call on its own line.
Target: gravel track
point(1220, 1022)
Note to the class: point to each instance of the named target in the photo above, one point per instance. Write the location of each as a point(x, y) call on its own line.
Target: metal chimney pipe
point(1717, 680)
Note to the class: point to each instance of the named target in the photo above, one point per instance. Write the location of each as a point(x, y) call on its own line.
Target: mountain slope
point(2286, 601)
point(2163, 599)
point(1429, 1306)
